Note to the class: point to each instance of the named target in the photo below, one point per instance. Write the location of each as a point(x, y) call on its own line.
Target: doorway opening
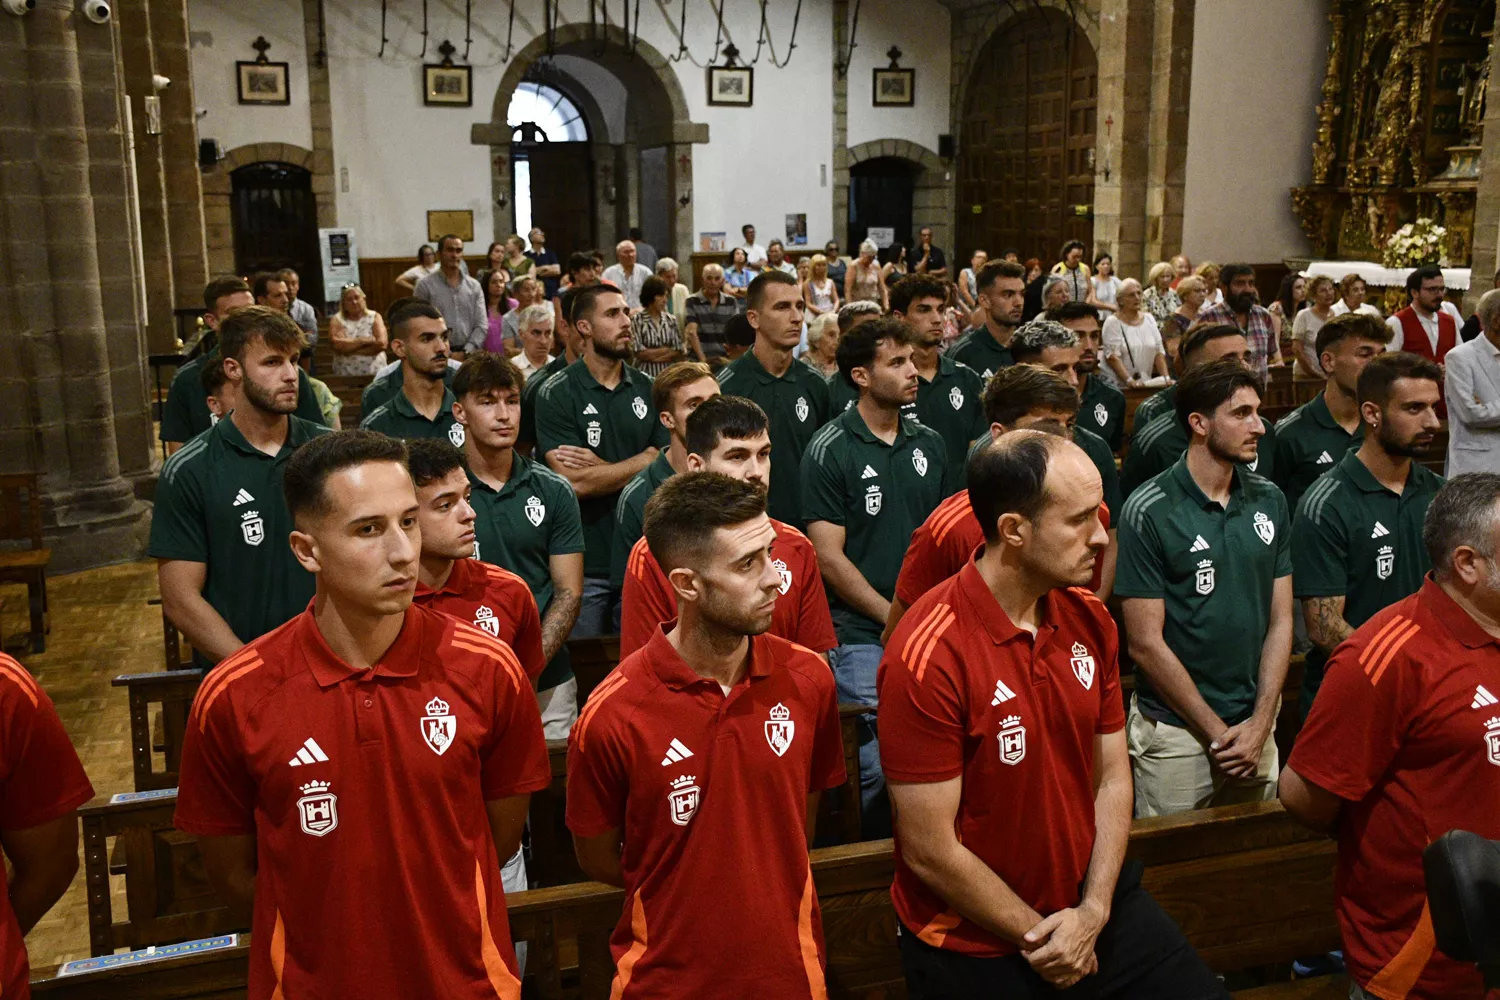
point(275, 222)
point(880, 200)
point(550, 165)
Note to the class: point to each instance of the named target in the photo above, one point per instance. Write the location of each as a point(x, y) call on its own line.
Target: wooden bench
point(173, 691)
point(21, 521)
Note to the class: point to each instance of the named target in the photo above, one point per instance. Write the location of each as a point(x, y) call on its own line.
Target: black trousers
point(1142, 956)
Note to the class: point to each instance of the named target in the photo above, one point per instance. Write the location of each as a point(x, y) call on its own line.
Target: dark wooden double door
point(275, 219)
point(1026, 155)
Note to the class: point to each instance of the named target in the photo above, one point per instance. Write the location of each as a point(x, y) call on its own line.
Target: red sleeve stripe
point(231, 670)
point(920, 644)
point(949, 515)
point(471, 639)
point(609, 686)
point(502, 575)
point(10, 668)
point(1394, 639)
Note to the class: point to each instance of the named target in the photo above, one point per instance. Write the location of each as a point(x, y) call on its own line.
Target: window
point(537, 113)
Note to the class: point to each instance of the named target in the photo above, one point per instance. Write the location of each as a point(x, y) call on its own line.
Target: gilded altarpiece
point(1398, 124)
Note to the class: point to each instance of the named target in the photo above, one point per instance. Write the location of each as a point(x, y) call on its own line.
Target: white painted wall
point(221, 33)
point(1257, 70)
point(920, 28)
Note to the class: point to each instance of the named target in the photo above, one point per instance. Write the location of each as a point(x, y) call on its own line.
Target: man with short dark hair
point(1429, 325)
point(369, 734)
point(869, 478)
point(302, 313)
point(594, 428)
point(1101, 405)
point(545, 265)
point(1002, 738)
point(225, 573)
point(1205, 569)
point(929, 259)
point(739, 337)
point(569, 348)
point(711, 742)
point(457, 297)
point(526, 520)
point(708, 310)
point(270, 291)
point(794, 396)
point(755, 254)
point(776, 259)
point(423, 408)
point(1241, 307)
point(388, 381)
point(219, 395)
point(1001, 288)
point(1404, 744)
point(1357, 541)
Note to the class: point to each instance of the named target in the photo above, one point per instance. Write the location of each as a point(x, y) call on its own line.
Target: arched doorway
point(880, 197)
point(1026, 155)
point(275, 221)
point(551, 164)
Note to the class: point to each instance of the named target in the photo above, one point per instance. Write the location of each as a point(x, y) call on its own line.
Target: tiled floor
point(101, 627)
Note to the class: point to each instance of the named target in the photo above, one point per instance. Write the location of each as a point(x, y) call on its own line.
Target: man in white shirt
point(535, 325)
point(627, 275)
point(1472, 390)
point(1429, 313)
point(755, 254)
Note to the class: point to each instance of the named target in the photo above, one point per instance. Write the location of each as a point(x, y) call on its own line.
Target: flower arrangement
point(1416, 244)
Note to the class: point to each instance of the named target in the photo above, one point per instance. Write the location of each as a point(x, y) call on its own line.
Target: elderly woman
point(1209, 272)
point(1133, 350)
point(739, 274)
point(1322, 293)
point(823, 345)
point(1056, 292)
point(658, 340)
point(357, 334)
point(1192, 291)
point(862, 282)
point(535, 325)
point(1352, 298)
point(666, 270)
point(1159, 298)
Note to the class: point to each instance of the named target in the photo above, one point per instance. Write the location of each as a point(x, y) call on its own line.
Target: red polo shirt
point(40, 781)
point(720, 898)
point(1406, 729)
point(964, 692)
point(495, 600)
point(365, 791)
point(947, 540)
point(801, 610)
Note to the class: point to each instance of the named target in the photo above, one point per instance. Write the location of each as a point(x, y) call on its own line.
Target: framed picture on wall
point(458, 221)
point(263, 83)
point(731, 85)
point(447, 85)
point(894, 87)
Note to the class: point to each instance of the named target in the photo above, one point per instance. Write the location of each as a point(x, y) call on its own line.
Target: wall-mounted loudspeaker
point(946, 146)
point(208, 153)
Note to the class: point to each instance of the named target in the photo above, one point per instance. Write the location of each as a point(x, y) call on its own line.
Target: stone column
point(179, 146)
point(840, 163)
point(1125, 48)
point(1487, 201)
point(320, 113)
point(1171, 79)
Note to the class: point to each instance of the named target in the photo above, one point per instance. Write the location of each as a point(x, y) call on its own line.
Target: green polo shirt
point(532, 389)
point(1355, 539)
point(1154, 447)
point(380, 391)
point(185, 414)
point(630, 513)
point(979, 349)
point(1153, 406)
point(397, 418)
point(1215, 569)
point(530, 519)
point(1102, 410)
point(1098, 452)
point(219, 502)
point(879, 493)
point(796, 403)
point(615, 424)
point(1309, 442)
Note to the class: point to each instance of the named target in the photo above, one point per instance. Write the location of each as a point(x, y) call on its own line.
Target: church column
point(840, 135)
point(1123, 144)
point(179, 147)
point(1486, 240)
point(320, 113)
point(1171, 78)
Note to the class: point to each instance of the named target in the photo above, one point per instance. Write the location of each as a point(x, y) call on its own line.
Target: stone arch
point(658, 116)
point(218, 220)
point(932, 201)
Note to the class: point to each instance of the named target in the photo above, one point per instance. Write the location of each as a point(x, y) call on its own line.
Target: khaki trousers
point(1175, 773)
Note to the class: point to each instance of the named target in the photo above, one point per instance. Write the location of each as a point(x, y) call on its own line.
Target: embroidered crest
point(784, 573)
point(595, 433)
point(919, 461)
point(1101, 414)
point(780, 729)
point(252, 527)
point(439, 726)
point(1204, 582)
point(1385, 562)
point(456, 435)
point(1083, 665)
point(485, 618)
point(802, 409)
point(1492, 740)
point(956, 397)
point(638, 406)
point(535, 510)
point(1264, 528)
point(872, 500)
point(318, 809)
point(1012, 740)
point(683, 799)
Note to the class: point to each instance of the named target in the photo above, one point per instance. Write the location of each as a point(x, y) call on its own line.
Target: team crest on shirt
point(956, 397)
point(1492, 740)
point(456, 435)
point(1101, 414)
point(535, 511)
point(638, 406)
point(485, 618)
point(252, 527)
point(1083, 665)
point(318, 809)
point(780, 729)
point(784, 573)
point(1385, 562)
point(1012, 740)
point(684, 798)
point(596, 433)
point(439, 725)
point(802, 409)
point(872, 500)
point(1203, 582)
point(1264, 528)
point(919, 461)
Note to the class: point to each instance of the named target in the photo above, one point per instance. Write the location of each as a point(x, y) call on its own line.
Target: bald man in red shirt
point(695, 768)
point(1403, 744)
point(731, 435)
point(355, 776)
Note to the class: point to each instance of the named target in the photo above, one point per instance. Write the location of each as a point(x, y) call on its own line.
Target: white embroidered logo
point(485, 618)
point(439, 726)
point(1264, 528)
point(535, 511)
point(1101, 414)
point(780, 729)
point(243, 497)
point(252, 527)
point(1002, 694)
point(1083, 665)
point(872, 500)
point(456, 435)
point(1012, 738)
point(785, 574)
point(595, 433)
point(802, 409)
point(309, 753)
point(1204, 582)
point(639, 407)
point(919, 461)
point(683, 799)
point(676, 753)
point(1492, 740)
point(956, 397)
point(318, 809)
point(1385, 562)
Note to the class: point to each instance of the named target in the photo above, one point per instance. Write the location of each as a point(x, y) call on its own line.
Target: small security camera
point(18, 7)
point(97, 11)
point(159, 82)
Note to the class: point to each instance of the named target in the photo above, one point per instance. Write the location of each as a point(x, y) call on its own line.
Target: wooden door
point(275, 219)
point(1026, 155)
point(562, 195)
point(880, 196)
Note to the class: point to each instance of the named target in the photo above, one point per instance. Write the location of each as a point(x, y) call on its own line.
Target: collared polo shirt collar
point(520, 472)
point(984, 608)
point(1454, 618)
point(1318, 408)
point(1355, 471)
point(1189, 486)
point(759, 370)
point(946, 366)
point(456, 584)
point(628, 375)
point(674, 672)
point(861, 430)
point(399, 661)
point(403, 405)
point(231, 435)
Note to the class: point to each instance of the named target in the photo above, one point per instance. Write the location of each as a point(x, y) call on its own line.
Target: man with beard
point(794, 396)
point(1205, 569)
point(869, 479)
point(596, 428)
point(1241, 307)
point(731, 436)
point(1357, 540)
point(1101, 405)
point(1002, 290)
point(1429, 325)
point(1003, 742)
point(694, 772)
point(424, 406)
point(220, 526)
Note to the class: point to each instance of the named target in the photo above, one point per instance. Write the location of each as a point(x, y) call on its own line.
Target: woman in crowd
point(896, 267)
point(666, 270)
point(1033, 270)
point(1209, 272)
point(1075, 272)
point(968, 280)
point(1106, 284)
point(818, 292)
point(658, 341)
point(1192, 293)
point(516, 261)
point(1056, 292)
point(1159, 298)
point(863, 281)
point(1309, 321)
point(494, 257)
point(823, 345)
point(1133, 349)
point(427, 262)
point(1291, 299)
point(738, 276)
point(357, 335)
point(1352, 291)
point(497, 302)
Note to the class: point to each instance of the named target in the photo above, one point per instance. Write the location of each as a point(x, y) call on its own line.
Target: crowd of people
point(865, 483)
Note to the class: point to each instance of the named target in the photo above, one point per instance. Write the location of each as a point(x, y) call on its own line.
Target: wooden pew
point(173, 691)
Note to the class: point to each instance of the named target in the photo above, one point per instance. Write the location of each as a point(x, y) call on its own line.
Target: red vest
point(1414, 335)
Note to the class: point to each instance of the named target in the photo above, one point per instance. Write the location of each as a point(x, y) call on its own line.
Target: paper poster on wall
point(881, 236)
point(796, 229)
point(340, 261)
point(712, 242)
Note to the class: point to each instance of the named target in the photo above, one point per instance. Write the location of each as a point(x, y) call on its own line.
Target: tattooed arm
point(1326, 626)
point(567, 596)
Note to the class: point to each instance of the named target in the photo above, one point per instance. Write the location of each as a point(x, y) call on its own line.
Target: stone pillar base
point(96, 526)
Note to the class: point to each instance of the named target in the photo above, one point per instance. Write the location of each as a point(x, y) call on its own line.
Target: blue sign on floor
point(154, 954)
point(120, 798)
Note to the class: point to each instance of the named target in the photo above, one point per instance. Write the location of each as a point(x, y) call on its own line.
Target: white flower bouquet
point(1416, 244)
